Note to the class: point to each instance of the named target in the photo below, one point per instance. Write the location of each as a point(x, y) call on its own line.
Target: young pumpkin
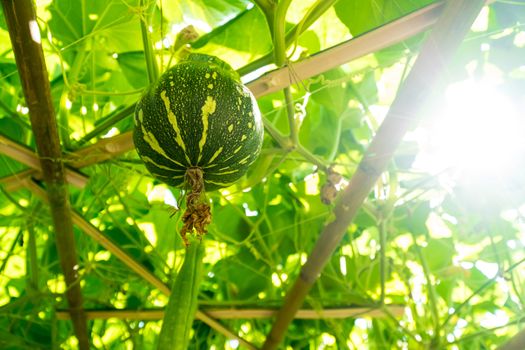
point(199, 128)
point(198, 115)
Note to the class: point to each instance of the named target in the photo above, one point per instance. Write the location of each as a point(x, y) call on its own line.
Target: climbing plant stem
point(182, 304)
point(318, 9)
point(69, 94)
point(282, 140)
point(279, 21)
point(151, 61)
point(382, 257)
point(109, 121)
point(290, 111)
point(431, 290)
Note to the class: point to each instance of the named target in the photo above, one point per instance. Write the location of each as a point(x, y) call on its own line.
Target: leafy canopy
point(437, 247)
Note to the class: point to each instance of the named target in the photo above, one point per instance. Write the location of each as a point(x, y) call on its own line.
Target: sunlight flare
point(478, 131)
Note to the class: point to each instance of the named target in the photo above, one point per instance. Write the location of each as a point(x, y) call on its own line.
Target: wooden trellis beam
point(230, 314)
point(438, 49)
point(26, 156)
point(26, 42)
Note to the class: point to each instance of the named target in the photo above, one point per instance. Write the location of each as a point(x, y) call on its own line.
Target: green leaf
point(438, 254)
point(207, 13)
point(362, 16)
point(241, 40)
point(104, 20)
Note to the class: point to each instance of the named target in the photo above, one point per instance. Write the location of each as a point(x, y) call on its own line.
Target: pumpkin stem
point(198, 214)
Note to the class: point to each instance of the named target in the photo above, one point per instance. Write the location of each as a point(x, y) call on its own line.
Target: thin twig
point(109, 121)
point(382, 257)
point(290, 111)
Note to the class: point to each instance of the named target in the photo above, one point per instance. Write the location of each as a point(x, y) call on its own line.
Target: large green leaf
point(362, 16)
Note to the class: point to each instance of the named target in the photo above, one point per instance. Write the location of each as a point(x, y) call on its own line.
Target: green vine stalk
point(182, 305)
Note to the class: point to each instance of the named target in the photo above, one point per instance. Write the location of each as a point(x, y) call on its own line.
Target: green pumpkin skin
point(198, 114)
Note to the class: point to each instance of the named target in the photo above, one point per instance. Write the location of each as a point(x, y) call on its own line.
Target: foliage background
point(454, 234)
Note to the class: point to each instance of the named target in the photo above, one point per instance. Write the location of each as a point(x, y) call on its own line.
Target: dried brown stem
point(431, 64)
point(198, 214)
point(25, 39)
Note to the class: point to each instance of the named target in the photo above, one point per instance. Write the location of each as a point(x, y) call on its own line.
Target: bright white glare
point(361, 323)
point(234, 343)
point(490, 270)
point(256, 73)
point(35, 31)
point(492, 320)
point(342, 265)
point(478, 132)
point(248, 212)
point(467, 265)
point(275, 280)
point(481, 23)
point(112, 132)
point(328, 339)
point(519, 39)
point(169, 199)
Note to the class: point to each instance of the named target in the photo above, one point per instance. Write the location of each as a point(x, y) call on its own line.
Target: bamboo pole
point(25, 39)
point(103, 150)
point(26, 156)
point(232, 314)
point(431, 64)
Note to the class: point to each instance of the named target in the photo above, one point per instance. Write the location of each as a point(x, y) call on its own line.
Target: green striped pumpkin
point(198, 114)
